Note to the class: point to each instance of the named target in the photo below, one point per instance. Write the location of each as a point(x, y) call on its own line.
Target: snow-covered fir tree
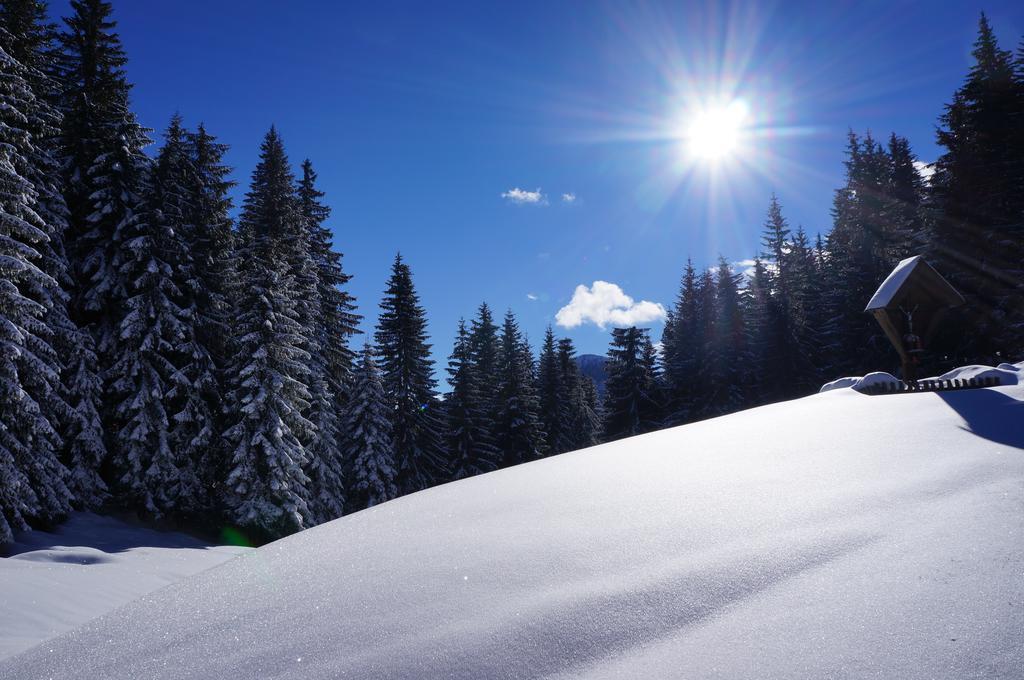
point(401, 339)
point(629, 407)
point(471, 450)
point(267, 488)
point(553, 397)
point(32, 478)
point(333, 322)
point(582, 426)
point(73, 408)
point(368, 438)
point(104, 167)
point(518, 431)
point(156, 340)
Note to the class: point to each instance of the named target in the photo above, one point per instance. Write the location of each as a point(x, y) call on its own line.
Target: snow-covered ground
point(92, 564)
point(836, 536)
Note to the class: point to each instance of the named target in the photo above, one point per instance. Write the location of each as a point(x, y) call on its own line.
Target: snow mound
point(1007, 374)
point(836, 536)
point(52, 582)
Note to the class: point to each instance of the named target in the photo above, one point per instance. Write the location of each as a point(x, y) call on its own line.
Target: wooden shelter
point(909, 305)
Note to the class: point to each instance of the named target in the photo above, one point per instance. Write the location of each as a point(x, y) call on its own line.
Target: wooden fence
point(900, 387)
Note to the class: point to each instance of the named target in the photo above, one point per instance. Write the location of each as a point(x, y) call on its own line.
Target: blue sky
point(420, 116)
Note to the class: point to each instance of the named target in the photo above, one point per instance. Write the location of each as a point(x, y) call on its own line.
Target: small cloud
point(569, 198)
point(605, 303)
point(524, 197)
point(926, 170)
point(544, 256)
point(532, 297)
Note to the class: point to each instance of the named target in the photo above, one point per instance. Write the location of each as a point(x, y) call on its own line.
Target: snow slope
point(836, 536)
point(91, 565)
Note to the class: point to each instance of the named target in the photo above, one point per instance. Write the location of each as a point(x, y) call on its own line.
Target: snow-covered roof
point(917, 269)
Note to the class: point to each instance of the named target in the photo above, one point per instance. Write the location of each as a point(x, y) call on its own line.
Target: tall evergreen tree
point(401, 338)
point(727, 357)
point(629, 408)
point(553, 397)
point(72, 407)
point(518, 431)
point(470, 448)
point(978, 236)
point(208, 231)
point(368, 436)
point(104, 166)
point(583, 425)
point(267, 485)
point(155, 333)
point(682, 351)
point(484, 350)
point(332, 323)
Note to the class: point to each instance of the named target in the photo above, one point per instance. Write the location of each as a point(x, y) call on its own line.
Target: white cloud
point(524, 197)
point(531, 297)
point(605, 303)
point(569, 198)
point(926, 170)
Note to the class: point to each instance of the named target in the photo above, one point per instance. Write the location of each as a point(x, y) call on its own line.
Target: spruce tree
point(727, 351)
point(978, 236)
point(682, 351)
point(104, 166)
point(470, 448)
point(267, 486)
point(582, 427)
point(154, 472)
point(553, 398)
point(628, 405)
point(332, 323)
point(213, 272)
point(72, 406)
point(518, 432)
point(484, 348)
point(32, 478)
point(368, 437)
point(401, 339)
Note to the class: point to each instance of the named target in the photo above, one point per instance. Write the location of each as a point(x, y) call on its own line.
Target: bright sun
point(715, 133)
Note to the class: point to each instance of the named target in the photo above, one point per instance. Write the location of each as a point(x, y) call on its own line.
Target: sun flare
point(715, 133)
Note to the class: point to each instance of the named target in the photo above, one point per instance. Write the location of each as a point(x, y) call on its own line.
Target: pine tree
point(32, 478)
point(682, 351)
point(213, 275)
point(267, 486)
point(628, 406)
point(401, 339)
point(583, 425)
point(155, 337)
point(368, 437)
point(518, 431)
point(727, 345)
point(332, 322)
point(72, 407)
point(553, 397)
point(104, 166)
point(484, 349)
point(470, 448)
point(978, 235)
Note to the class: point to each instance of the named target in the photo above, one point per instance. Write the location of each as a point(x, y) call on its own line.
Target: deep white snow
point(837, 536)
point(53, 582)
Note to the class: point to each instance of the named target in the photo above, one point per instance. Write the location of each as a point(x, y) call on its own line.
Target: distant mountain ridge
point(593, 366)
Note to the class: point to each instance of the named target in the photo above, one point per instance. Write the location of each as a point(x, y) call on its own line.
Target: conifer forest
point(166, 353)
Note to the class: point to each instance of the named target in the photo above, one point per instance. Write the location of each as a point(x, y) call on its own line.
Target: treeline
point(796, 319)
point(160, 357)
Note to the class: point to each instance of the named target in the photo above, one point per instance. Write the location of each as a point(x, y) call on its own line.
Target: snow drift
point(840, 535)
point(92, 564)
